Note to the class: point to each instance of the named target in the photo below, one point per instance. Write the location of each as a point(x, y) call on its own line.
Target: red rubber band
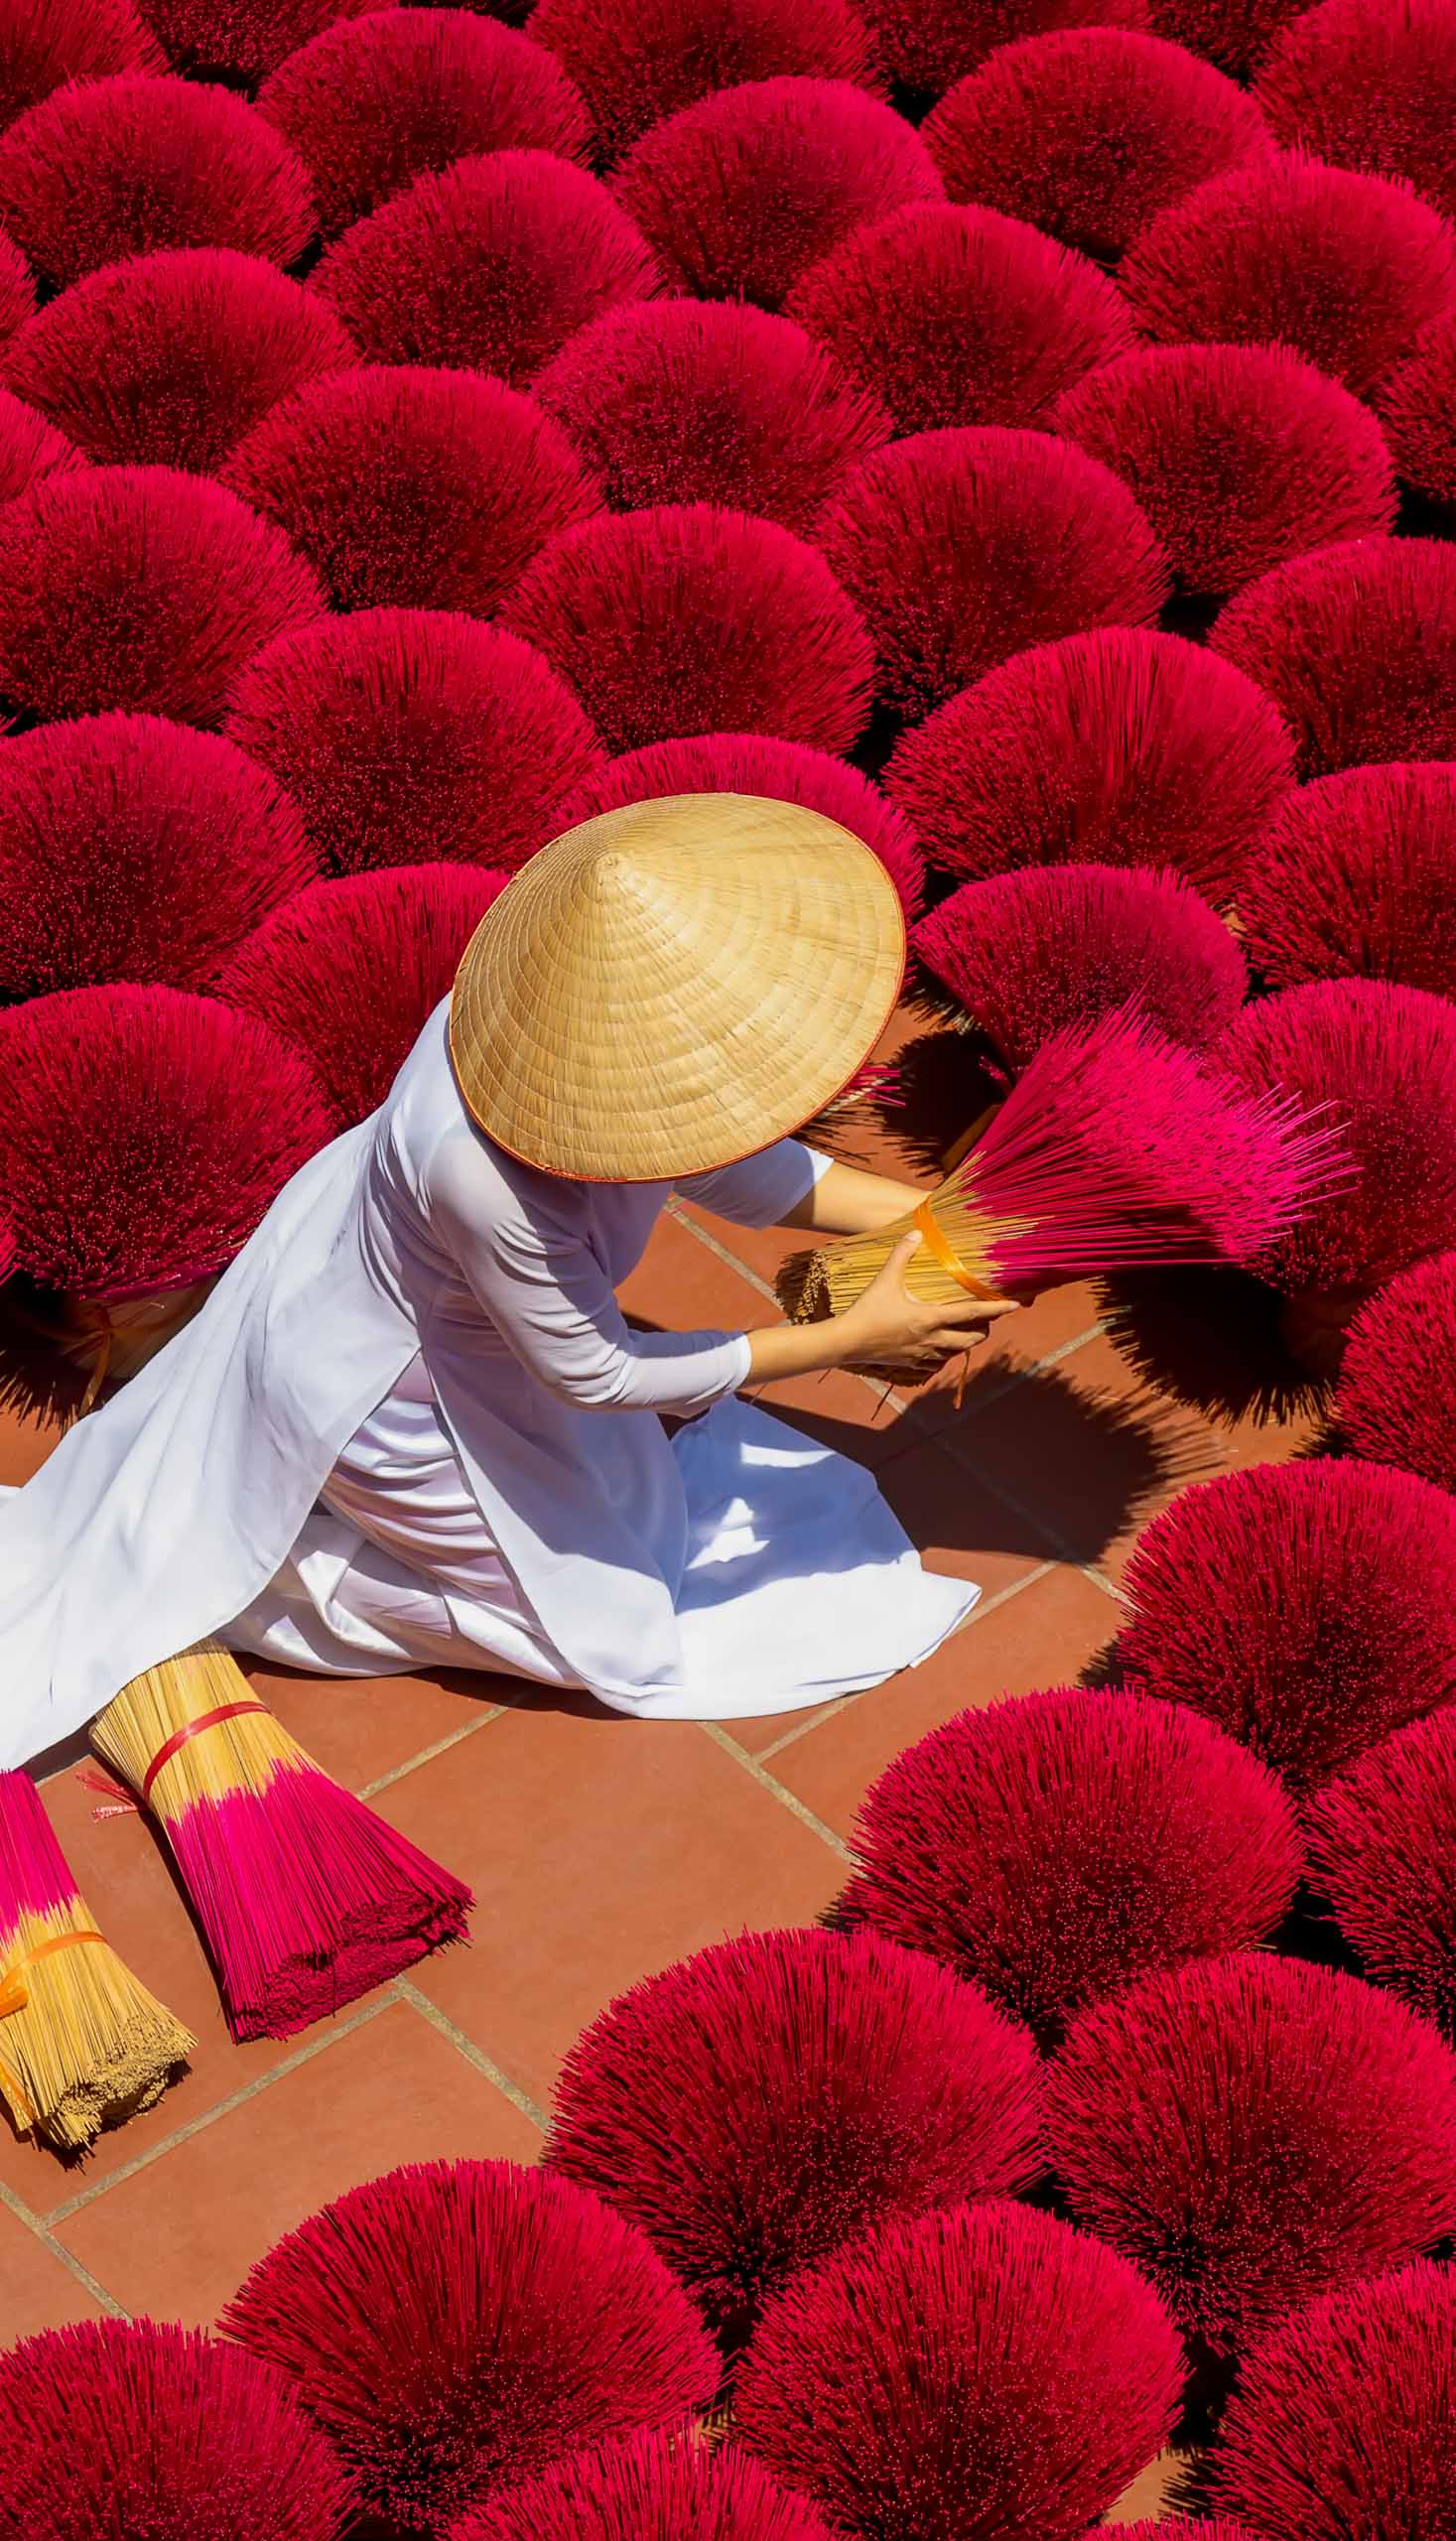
point(191, 1729)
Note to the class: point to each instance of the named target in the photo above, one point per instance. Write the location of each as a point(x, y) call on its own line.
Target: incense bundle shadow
point(306, 1899)
point(61, 1353)
point(1211, 1339)
point(82, 2045)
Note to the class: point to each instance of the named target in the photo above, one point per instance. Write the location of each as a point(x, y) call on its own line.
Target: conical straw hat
point(673, 985)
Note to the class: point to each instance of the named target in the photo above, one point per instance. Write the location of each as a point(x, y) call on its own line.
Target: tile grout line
point(427, 1755)
point(58, 2250)
point(834, 1705)
point(340, 2028)
point(399, 1992)
point(960, 1449)
point(410, 1993)
point(1065, 1557)
point(982, 1606)
point(1109, 1587)
point(943, 1434)
point(729, 1259)
point(776, 1790)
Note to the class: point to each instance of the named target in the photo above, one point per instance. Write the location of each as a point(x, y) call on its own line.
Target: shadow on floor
point(940, 1083)
point(1209, 1339)
point(1053, 1469)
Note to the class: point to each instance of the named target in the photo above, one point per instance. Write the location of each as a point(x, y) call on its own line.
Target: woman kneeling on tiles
point(411, 1427)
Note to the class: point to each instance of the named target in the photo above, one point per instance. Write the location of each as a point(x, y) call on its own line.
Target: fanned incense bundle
point(305, 1898)
point(146, 2431)
point(980, 2370)
point(1113, 1150)
point(1342, 2419)
point(82, 2045)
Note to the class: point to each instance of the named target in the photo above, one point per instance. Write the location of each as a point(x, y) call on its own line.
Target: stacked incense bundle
point(1113, 1150)
point(83, 2046)
point(305, 1898)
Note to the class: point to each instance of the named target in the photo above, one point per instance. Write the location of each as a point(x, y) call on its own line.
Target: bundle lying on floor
point(82, 2045)
point(306, 1899)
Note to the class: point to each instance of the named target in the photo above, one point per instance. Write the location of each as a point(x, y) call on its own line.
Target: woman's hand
point(890, 1328)
point(886, 1331)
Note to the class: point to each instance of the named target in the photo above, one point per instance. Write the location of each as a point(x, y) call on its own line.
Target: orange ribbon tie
point(14, 1991)
point(936, 1242)
point(945, 1253)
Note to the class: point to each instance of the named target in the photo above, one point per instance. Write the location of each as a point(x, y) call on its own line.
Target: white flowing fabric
point(425, 1333)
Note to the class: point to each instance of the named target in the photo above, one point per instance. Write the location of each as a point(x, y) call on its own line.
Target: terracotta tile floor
point(599, 1850)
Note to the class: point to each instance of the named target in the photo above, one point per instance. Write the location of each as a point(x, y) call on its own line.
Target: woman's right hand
point(888, 1327)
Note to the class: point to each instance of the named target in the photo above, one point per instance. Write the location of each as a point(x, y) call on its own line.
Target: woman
point(411, 1427)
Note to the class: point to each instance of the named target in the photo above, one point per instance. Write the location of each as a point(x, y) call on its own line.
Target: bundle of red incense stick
point(306, 1899)
point(1113, 1149)
point(83, 2046)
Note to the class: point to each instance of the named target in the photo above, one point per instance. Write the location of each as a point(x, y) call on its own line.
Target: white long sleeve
point(761, 1189)
point(550, 1300)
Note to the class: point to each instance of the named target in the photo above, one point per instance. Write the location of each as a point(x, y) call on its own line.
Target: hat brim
point(670, 987)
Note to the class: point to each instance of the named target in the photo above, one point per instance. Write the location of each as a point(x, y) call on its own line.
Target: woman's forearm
point(794, 1350)
point(845, 1201)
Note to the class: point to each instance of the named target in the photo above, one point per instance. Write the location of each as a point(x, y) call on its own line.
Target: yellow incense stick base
point(82, 2045)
